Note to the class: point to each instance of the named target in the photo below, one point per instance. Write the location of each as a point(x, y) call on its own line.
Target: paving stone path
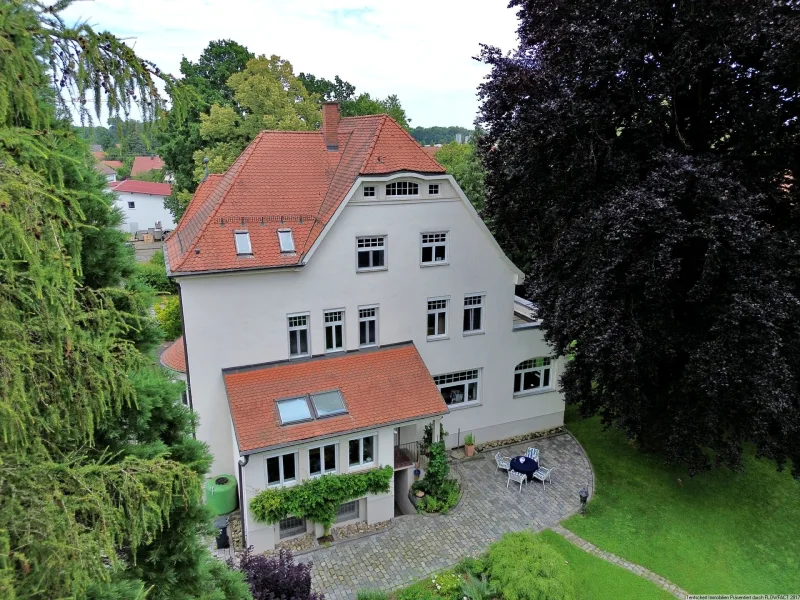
point(621, 562)
point(418, 545)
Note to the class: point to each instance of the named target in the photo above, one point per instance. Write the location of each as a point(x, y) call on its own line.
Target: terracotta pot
point(469, 450)
point(420, 494)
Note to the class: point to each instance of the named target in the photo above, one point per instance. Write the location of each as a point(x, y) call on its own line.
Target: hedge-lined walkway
point(418, 545)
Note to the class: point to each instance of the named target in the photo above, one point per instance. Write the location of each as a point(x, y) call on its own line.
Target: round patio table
point(523, 464)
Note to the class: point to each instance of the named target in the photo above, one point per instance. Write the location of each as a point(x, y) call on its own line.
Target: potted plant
point(469, 444)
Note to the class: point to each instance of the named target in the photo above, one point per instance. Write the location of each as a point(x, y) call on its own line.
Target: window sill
point(367, 346)
point(334, 351)
point(372, 269)
point(463, 405)
point(277, 486)
point(361, 467)
point(546, 390)
point(437, 338)
point(298, 356)
point(318, 475)
point(434, 264)
point(469, 333)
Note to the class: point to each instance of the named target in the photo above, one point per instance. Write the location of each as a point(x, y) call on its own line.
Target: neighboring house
point(142, 203)
point(109, 173)
point(143, 164)
point(331, 282)
point(174, 358)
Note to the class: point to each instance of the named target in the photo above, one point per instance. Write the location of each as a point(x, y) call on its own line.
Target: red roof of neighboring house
point(114, 164)
point(379, 387)
point(174, 357)
point(286, 179)
point(144, 187)
point(143, 164)
point(98, 154)
point(104, 169)
point(431, 151)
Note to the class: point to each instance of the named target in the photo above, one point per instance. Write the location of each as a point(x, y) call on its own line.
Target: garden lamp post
point(584, 496)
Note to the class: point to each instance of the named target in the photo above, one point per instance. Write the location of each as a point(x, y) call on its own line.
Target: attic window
point(242, 239)
point(286, 240)
point(293, 410)
point(328, 404)
point(402, 188)
point(369, 191)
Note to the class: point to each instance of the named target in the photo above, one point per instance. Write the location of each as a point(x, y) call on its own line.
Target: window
point(293, 410)
point(282, 469)
point(433, 189)
point(286, 240)
point(131, 204)
point(334, 330)
point(437, 317)
point(533, 374)
point(242, 239)
point(322, 460)
point(328, 404)
point(298, 336)
point(185, 398)
point(402, 188)
point(291, 526)
point(347, 511)
point(434, 248)
point(459, 388)
point(371, 253)
point(367, 326)
point(473, 313)
point(369, 191)
point(361, 451)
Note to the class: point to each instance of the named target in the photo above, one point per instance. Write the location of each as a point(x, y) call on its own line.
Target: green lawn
point(596, 579)
point(721, 532)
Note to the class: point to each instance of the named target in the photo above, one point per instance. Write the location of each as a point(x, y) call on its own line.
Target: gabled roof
point(174, 357)
point(143, 187)
point(104, 169)
point(98, 154)
point(402, 391)
point(286, 179)
point(143, 164)
point(114, 164)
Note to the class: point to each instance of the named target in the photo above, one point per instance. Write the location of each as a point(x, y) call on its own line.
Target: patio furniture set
point(522, 469)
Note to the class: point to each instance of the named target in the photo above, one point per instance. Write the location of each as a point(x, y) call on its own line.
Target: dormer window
point(286, 240)
point(433, 189)
point(242, 239)
point(402, 188)
point(369, 191)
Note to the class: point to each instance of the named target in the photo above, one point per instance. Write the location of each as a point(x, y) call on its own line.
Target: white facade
point(143, 211)
point(236, 319)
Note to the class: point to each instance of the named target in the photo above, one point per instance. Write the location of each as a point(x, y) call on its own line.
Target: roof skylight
point(293, 410)
point(328, 404)
point(242, 239)
point(286, 240)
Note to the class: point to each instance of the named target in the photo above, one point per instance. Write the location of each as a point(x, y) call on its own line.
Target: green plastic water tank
point(221, 494)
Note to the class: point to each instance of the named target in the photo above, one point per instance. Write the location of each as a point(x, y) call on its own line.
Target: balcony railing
point(406, 455)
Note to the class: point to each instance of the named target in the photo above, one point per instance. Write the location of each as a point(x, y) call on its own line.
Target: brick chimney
point(330, 125)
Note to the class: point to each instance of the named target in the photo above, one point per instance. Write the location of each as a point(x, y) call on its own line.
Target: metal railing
point(406, 455)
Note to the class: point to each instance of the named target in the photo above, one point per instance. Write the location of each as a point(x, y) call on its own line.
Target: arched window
point(402, 188)
point(531, 375)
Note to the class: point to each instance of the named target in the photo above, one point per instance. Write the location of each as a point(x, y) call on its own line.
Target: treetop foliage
point(640, 162)
point(438, 135)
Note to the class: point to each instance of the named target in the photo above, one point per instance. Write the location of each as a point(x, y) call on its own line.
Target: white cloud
point(420, 50)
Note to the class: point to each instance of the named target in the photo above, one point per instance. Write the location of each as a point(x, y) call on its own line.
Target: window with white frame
point(298, 335)
point(473, 313)
point(322, 460)
point(242, 240)
point(532, 375)
point(437, 317)
point(369, 191)
point(434, 248)
point(371, 253)
point(433, 189)
point(402, 188)
point(282, 469)
point(368, 326)
point(361, 451)
point(347, 511)
point(291, 526)
point(459, 388)
point(334, 330)
point(286, 240)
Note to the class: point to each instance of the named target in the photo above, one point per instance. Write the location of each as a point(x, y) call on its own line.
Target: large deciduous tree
point(463, 163)
point(642, 160)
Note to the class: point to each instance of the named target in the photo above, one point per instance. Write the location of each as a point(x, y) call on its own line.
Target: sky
point(420, 50)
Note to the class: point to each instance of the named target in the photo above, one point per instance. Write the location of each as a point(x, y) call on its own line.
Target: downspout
point(242, 462)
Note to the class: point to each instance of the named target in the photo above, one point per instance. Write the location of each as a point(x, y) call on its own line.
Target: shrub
point(278, 576)
point(471, 566)
point(441, 492)
point(155, 276)
point(478, 588)
point(525, 568)
point(168, 314)
point(372, 595)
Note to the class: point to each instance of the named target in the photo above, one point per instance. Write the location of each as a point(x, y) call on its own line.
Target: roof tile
point(143, 164)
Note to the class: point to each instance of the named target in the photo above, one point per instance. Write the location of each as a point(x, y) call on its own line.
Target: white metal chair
point(532, 453)
point(503, 462)
point(517, 478)
point(543, 474)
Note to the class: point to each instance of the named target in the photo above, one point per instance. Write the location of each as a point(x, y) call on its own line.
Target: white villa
point(339, 292)
point(142, 203)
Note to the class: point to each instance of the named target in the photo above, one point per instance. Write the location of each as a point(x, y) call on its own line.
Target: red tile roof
point(380, 387)
point(174, 357)
point(286, 179)
point(144, 187)
point(114, 164)
point(98, 154)
point(431, 151)
point(143, 164)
